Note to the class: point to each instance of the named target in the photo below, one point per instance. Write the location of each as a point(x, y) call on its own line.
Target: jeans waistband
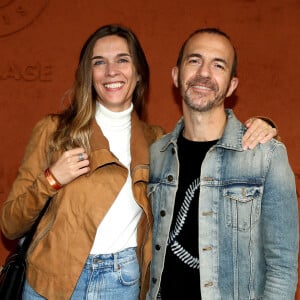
point(107, 260)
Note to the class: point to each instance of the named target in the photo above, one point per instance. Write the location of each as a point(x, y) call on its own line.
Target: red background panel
point(40, 42)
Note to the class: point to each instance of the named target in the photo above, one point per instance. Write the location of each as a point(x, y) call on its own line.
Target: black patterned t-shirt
point(181, 276)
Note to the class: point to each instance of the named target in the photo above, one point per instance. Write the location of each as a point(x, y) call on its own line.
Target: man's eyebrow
point(118, 55)
point(221, 60)
point(198, 55)
point(194, 55)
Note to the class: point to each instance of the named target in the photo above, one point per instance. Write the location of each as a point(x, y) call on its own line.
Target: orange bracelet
point(52, 180)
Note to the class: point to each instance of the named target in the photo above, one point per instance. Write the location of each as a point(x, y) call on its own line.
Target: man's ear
point(232, 87)
point(175, 76)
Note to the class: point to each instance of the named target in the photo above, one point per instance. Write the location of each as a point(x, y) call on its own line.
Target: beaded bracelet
point(52, 180)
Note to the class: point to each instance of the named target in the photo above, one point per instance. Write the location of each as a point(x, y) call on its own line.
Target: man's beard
point(207, 104)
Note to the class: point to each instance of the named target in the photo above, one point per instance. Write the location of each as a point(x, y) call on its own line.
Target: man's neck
point(204, 126)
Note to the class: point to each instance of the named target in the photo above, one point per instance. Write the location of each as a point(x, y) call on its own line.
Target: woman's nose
point(111, 69)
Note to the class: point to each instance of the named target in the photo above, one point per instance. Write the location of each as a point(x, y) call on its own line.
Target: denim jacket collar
point(231, 138)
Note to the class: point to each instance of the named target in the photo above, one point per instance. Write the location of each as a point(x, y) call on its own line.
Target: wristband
point(52, 180)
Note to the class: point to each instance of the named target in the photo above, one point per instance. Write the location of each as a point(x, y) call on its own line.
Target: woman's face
point(114, 74)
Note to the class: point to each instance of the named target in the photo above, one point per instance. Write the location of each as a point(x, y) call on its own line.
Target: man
point(225, 218)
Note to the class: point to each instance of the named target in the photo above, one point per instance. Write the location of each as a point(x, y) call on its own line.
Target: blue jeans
point(104, 277)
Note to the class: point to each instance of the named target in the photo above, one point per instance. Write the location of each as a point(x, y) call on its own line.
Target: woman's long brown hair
point(74, 123)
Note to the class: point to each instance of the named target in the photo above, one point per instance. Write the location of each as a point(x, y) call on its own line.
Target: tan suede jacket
point(66, 233)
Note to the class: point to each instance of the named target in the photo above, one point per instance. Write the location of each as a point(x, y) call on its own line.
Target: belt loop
point(115, 261)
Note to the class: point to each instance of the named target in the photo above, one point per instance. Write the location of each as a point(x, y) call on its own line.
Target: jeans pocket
point(129, 272)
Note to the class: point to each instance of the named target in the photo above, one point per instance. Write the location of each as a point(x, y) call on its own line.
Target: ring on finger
point(80, 157)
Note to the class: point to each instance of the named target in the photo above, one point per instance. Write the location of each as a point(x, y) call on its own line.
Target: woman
point(94, 242)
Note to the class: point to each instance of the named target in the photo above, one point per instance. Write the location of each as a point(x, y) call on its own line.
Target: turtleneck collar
point(110, 119)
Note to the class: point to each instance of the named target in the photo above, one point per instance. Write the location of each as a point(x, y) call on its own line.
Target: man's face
point(204, 75)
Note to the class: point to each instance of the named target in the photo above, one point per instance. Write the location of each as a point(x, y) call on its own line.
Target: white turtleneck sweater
point(118, 229)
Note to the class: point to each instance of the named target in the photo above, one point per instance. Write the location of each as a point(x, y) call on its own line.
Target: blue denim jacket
point(248, 216)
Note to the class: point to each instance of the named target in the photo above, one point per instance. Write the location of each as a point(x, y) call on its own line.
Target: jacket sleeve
point(30, 189)
point(280, 227)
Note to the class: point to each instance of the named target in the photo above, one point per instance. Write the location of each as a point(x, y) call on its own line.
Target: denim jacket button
point(157, 247)
point(170, 178)
point(162, 213)
point(154, 280)
point(207, 249)
point(207, 213)
point(208, 284)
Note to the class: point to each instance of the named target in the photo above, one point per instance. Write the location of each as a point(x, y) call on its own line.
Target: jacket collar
point(139, 145)
point(233, 133)
point(231, 138)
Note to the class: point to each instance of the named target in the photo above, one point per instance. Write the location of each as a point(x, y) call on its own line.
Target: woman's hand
point(259, 131)
point(72, 164)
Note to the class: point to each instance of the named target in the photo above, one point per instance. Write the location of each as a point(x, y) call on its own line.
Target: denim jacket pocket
point(242, 205)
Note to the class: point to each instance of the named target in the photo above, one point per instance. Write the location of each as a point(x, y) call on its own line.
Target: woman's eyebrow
point(118, 55)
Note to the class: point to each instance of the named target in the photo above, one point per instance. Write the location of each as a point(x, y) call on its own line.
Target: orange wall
point(40, 42)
